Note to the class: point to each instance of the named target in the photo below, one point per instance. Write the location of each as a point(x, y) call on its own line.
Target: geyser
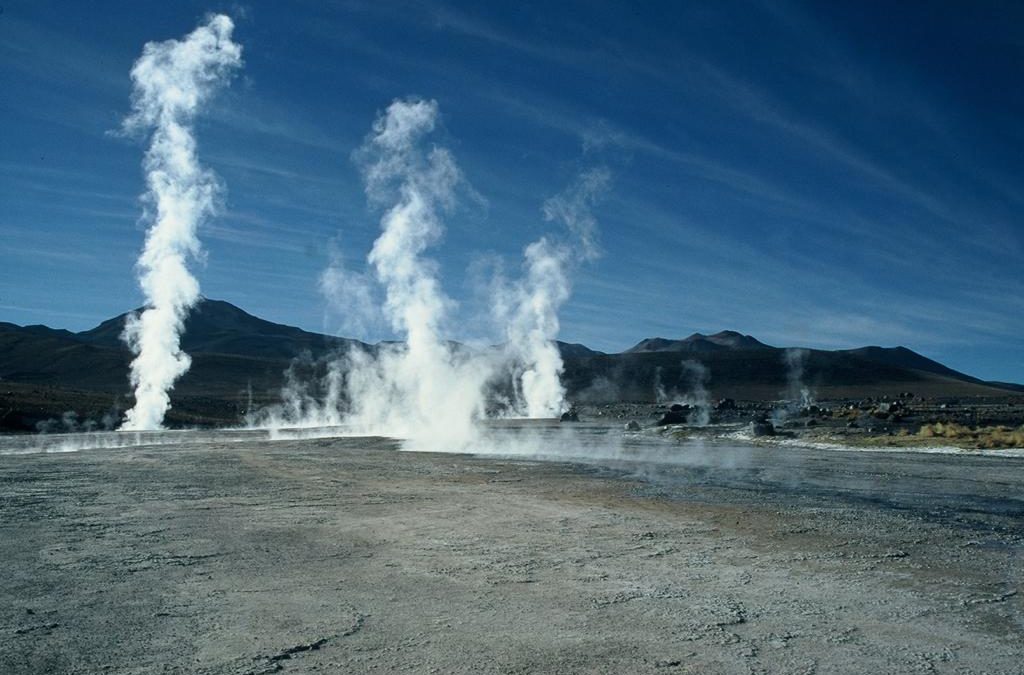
point(529, 309)
point(796, 391)
point(798, 395)
point(172, 80)
point(698, 398)
point(696, 376)
point(423, 388)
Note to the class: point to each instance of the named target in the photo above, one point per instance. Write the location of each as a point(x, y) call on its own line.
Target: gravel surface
point(347, 556)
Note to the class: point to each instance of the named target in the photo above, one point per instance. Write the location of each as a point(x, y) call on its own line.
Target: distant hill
point(239, 360)
point(759, 374)
point(698, 342)
point(740, 366)
point(218, 327)
point(901, 357)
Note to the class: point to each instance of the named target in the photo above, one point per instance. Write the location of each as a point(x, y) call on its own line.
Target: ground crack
point(272, 664)
point(31, 629)
point(1001, 597)
point(298, 649)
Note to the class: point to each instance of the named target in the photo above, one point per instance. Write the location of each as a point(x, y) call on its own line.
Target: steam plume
point(796, 391)
point(530, 310)
point(660, 393)
point(425, 388)
point(798, 394)
point(697, 374)
point(574, 208)
point(172, 80)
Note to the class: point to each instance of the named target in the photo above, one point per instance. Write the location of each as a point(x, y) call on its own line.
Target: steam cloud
point(796, 391)
point(798, 394)
point(661, 394)
point(530, 308)
point(696, 376)
point(172, 80)
point(698, 398)
point(424, 389)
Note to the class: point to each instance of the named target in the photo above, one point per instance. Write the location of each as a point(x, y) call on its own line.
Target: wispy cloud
point(261, 166)
point(250, 238)
point(60, 57)
point(257, 116)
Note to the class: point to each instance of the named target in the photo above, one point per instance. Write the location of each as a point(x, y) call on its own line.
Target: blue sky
point(823, 174)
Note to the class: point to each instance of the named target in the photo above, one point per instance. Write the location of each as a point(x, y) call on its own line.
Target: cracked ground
point(346, 556)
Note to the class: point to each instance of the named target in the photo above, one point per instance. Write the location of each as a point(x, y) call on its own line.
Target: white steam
point(697, 375)
point(574, 208)
point(798, 395)
point(529, 309)
point(431, 392)
point(424, 389)
point(350, 296)
point(797, 392)
point(661, 394)
point(172, 80)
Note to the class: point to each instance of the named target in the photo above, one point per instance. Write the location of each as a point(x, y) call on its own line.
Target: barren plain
point(349, 556)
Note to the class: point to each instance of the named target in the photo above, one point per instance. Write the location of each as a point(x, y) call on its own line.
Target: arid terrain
point(346, 555)
point(881, 423)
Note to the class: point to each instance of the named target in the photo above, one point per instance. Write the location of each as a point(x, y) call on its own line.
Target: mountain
point(764, 374)
point(901, 357)
point(218, 327)
point(40, 355)
point(575, 350)
point(239, 360)
point(698, 342)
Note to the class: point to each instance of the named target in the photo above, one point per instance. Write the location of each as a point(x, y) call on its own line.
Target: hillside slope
point(239, 360)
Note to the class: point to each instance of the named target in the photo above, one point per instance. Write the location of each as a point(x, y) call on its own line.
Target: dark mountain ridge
point(239, 360)
point(218, 327)
point(698, 342)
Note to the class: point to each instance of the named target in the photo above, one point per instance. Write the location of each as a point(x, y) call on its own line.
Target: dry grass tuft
point(982, 437)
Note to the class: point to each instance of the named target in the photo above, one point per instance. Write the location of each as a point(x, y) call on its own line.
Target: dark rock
point(570, 416)
point(677, 414)
point(762, 429)
point(632, 425)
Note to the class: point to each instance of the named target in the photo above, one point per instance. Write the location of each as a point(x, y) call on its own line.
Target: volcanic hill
point(239, 362)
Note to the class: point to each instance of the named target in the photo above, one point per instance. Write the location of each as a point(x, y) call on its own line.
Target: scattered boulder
point(725, 404)
point(632, 425)
point(894, 411)
point(570, 415)
point(677, 414)
point(761, 426)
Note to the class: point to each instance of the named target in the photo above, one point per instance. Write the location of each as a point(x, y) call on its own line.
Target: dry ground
point(345, 556)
